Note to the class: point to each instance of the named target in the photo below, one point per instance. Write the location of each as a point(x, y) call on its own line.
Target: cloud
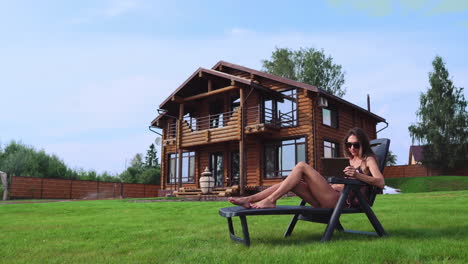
point(240, 32)
point(111, 9)
point(119, 7)
point(380, 8)
point(449, 7)
point(372, 8)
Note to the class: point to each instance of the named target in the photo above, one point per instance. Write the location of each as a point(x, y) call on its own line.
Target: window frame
point(278, 145)
point(174, 156)
point(337, 148)
point(333, 113)
point(275, 109)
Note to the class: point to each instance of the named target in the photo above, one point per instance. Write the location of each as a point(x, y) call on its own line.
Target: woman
point(308, 184)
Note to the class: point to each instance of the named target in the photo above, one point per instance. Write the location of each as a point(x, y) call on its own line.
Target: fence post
point(71, 188)
point(42, 186)
point(4, 180)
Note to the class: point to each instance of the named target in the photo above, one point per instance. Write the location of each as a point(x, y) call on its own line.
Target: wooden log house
point(250, 128)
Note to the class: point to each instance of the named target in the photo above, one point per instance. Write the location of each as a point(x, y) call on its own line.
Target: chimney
point(368, 102)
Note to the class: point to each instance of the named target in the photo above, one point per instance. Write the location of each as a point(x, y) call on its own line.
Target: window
point(217, 167)
point(330, 149)
point(216, 115)
point(188, 168)
point(282, 156)
point(330, 117)
point(284, 113)
point(235, 168)
point(171, 128)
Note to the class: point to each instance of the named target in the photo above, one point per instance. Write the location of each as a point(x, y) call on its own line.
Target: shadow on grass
point(407, 234)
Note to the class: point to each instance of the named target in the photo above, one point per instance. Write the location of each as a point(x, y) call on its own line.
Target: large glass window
point(284, 113)
point(235, 168)
point(330, 117)
point(217, 167)
point(188, 168)
point(282, 156)
point(330, 149)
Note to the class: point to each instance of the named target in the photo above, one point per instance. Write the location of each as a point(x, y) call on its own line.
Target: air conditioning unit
point(322, 102)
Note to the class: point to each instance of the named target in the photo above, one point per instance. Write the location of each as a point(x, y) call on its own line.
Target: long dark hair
point(365, 149)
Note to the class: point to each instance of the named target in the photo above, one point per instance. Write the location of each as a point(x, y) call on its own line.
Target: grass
point(429, 184)
point(423, 228)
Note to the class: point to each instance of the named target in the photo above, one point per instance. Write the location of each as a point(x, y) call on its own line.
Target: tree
point(309, 66)
point(391, 159)
point(137, 162)
point(443, 121)
point(151, 159)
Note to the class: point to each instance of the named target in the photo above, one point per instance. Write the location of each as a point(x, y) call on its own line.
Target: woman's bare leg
point(323, 193)
point(303, 192)
point(300, 190)
point(246, 201)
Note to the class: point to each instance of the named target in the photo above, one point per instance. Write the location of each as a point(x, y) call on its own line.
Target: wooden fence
point(44, 188)
point(419, 171)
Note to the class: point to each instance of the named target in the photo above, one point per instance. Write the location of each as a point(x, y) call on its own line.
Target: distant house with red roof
point(416, 155)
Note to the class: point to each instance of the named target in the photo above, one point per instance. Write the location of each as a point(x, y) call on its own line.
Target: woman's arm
point(376, 179)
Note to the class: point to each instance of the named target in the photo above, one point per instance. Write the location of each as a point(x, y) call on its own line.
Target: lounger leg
point(370, 215)
point(339, 227)
point(245, 231)
point(335, 217)
point(293, 222)
point(291, 226)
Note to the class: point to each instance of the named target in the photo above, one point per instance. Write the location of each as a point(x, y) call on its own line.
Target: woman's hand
point(350, 171)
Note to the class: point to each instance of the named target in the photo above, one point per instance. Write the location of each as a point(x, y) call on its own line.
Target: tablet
point(333, 167)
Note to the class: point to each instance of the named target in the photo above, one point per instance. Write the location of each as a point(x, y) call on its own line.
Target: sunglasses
point(356, 145)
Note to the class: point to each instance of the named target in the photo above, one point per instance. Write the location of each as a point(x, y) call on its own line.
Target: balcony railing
point(210, 121)
point(228, 122)
point(258, 115)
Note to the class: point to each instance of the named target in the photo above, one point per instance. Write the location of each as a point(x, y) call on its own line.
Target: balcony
point(226, 126)
point(211, 129)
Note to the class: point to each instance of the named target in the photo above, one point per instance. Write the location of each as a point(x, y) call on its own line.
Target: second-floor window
point(216, 115)
point(171, 129)
point(330, 117)
point(283, 114)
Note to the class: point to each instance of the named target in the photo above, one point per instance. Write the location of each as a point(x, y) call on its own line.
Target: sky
point(83, 79)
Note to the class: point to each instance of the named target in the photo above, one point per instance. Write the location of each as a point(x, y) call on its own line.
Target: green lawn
point(423, 228)
point(429, 184)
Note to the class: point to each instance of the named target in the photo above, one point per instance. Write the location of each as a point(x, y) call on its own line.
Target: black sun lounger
point(329, 216)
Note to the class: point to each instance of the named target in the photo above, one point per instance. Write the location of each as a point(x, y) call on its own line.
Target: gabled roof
point(212, 72)
point(296, 84)
point(266, 75)
point(249, 82)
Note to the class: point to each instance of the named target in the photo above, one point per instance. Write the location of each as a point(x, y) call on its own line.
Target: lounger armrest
point(336, 180)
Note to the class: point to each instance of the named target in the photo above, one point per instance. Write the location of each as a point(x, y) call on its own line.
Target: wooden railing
point(211, 129)
point(226, 126)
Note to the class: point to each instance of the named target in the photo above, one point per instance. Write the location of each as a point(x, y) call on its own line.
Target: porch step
point(222, 192)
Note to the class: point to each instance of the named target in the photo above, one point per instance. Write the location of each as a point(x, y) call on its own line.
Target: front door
point(217, 168)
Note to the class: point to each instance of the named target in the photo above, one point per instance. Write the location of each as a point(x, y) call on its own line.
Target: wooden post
point(241, 144)
point(179, 144)
point(210, 86)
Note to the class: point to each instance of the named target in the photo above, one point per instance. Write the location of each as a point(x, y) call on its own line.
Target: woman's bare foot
point(265, 203)
point(240, 201)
